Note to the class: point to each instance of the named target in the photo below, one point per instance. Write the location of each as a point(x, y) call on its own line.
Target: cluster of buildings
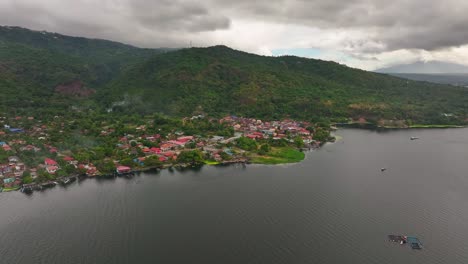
point(257, 129)
point(165, 151)
point(11, 173)
point(143, 145)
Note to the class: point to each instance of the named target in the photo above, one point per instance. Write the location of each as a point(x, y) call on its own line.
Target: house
point(50, 162)
point(33, 173)
point(13, 159)
point(176, 143)
point(166, 147)
point(169, 154)
point(217, 157)
point(20, 167)
point(123, 169)
point(216, 139)
point(16, 130)
point(91, 170)
point(53, 150)
point(30, 148)
point(185, 139)
point(4, 169)
point(70, 160)
point(146, 150)
point(140, 161)
point(52, 169)
point(155, 150)
point(6, 148)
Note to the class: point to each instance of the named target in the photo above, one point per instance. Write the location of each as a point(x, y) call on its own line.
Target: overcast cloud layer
point(360, 33)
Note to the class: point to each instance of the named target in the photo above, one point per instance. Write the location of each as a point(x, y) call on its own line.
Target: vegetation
point(220, 81)
point(33, 64)
point(280, 156)
point(191, 157)
point(214, 81)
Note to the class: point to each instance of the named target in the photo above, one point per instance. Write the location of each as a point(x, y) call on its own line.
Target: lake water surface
point(335, 207)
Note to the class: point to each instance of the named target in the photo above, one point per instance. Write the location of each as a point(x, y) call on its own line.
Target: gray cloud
point(397, 24)
point(177, 15)
point(391, 25)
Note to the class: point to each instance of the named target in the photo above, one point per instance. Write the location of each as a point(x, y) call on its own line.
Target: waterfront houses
point(46, 150)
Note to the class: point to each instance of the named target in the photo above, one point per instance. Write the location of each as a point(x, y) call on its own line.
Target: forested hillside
point(33, 64)
point(43, 72)
point(219, 80)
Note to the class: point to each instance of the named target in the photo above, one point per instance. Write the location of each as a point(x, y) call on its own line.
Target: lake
point(334, 207)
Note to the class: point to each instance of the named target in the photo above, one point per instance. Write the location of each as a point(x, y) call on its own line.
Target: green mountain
point(45, 72)
point(219, 80)
point(34, 63)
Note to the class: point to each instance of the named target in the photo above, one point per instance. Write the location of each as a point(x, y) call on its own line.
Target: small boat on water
point(400, 239)
point(48, 185)
point(397, 239)
point(68, 180)
point(383, 169)
point(414, 138)
point(414, 242)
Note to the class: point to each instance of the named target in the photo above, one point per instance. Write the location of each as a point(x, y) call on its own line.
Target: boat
point(27, 189)
point(68, 180)
point(398, 239)
point(414, 242)
point(48, 185)
point(383, 169)
point(414, 138)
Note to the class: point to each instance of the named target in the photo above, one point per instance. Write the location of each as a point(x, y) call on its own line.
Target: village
point(42, 154)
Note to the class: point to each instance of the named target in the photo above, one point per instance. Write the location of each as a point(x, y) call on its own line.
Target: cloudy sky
point(366, 34)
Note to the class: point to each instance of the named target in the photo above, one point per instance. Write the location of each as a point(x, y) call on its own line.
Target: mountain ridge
point(215, 80)
point(220, 80)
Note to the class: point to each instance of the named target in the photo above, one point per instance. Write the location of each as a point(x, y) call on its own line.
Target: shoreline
point(374, 126)
point(28, 189)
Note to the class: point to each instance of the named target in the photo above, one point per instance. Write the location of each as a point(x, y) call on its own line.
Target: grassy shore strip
point(279, 156)
point(10, 189)
point(209, 162)
point(436, 126)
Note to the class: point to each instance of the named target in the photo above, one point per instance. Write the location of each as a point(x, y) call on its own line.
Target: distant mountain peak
point(427, 67)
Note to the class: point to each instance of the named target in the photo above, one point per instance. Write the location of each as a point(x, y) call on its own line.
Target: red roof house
point(68, 158)
point(155, 150)
point(52, 169)
point(123, 169)
point(6, 147)
point(50, 162)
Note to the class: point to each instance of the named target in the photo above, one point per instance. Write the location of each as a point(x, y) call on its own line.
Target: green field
point(280, 156)
point(10, 189)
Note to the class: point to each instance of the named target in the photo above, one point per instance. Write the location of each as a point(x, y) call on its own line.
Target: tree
point(191, 145)
point(246, 143)
point(69, 169)
point(191, 156)
point(106, 167)
point(127, 162)
point(298, 142)
point(27, 177)
point(321, 134)
point(153, 161)
point(264, 149)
